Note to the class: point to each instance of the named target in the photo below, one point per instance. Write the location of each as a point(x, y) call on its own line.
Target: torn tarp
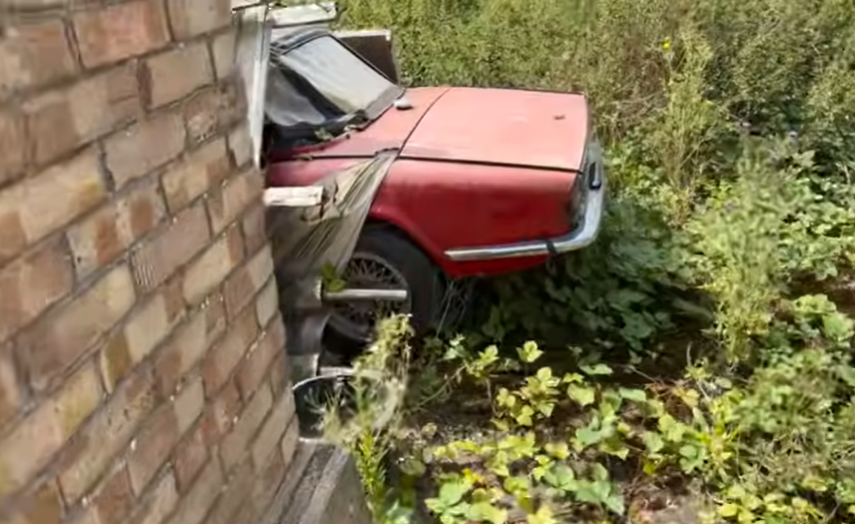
point(306, 239)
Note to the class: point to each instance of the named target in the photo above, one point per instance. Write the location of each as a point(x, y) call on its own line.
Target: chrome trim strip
point(582, 236)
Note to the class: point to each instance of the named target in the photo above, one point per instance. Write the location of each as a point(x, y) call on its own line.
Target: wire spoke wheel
point(356, 320)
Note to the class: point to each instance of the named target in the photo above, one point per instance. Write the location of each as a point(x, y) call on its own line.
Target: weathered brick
point(201, 170)
point(223, 48)
point(196, 503)
point(267, 483)
point(234, 197)
point(213, 110)
point(32, 284)
point(271, 433)
point(279, 373)
point(34, 55)
point(57, 340)
point(106, 234)
point(37, 206)
point(159, 258)
point(257, 362)
point(190, 455)
point(146, 328)
point(10, 388)
point(33, 443)
point(13, 136)
point(237, 491)
point(222, 413)
point(190, 18)
point(159, 504)
point(144, 147)
point(290, 441)
point(212, 266)
point(240, 145)
point(116, 32)
point(113, 500)
point(254, 228)
point(107, 433)
point(176, 73)
point(236, 444)
point(189, 344)
point(267, 303)
point(42, 506)
point(153, 446)
point(224, 357)
point(242, 287)
point(188, 405)
point(63, 120)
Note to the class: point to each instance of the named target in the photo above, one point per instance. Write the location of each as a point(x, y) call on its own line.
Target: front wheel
point(385, 259)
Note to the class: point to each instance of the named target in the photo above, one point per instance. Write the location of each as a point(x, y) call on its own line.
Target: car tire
point(383, 246)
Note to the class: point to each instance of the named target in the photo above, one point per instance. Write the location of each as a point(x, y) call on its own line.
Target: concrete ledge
point(322, 487)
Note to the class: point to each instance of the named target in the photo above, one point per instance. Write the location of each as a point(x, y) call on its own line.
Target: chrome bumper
point(582, 236)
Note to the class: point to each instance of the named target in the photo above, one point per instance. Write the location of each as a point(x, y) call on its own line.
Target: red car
point(485, 181)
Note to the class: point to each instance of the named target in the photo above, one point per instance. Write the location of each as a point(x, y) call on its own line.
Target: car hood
point(501, 126)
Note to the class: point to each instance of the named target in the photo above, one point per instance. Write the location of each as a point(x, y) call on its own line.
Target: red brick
point(222, 414)
point(188, 405)
point(270, 436)
point(190, 455)
point(234, 198)
point(196, 502)
point(34, 55)
point(43, 506)
point(213, 110)
point(114, 498)
point(32, 284)
point(257, 362)
point(176, 73)
point(102, 237)
point(223, 49)
point(38, 206)
point(189, 344)
point(57, 340)
point(242, 287)
point(173, 247)
point(13, 136)
point(107, 434)
point(236, 493)
point(190, 18)
point(144, 147)
point(254, 228)
point(113, 33)
point(63, 120)
point(153, 446)
point(236, 444)
point(211, 268)
point(226, 355)
point(34, 442)
point(201, 170)
point(159, 504)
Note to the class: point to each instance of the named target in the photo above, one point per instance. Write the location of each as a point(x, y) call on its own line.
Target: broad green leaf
point(559, 450)
point(486, 512)
point(597, 369)
point(636, 395)
point(451, 493)
point(728, 510)
point(529, 352)
point(523, 417)
point(652, 441)
point(584, 396)
point(542, 516)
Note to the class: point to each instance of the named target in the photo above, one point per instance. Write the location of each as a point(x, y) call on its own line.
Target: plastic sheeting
point(308, 239)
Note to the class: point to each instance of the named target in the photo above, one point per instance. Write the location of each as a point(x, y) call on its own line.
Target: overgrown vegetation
point(702, 347)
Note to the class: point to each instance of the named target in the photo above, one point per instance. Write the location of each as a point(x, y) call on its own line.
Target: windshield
point(320, 81)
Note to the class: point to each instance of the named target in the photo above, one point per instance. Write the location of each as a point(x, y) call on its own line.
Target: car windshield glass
point(346, 84)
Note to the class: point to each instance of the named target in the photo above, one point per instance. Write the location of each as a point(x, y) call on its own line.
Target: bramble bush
point(730, 131)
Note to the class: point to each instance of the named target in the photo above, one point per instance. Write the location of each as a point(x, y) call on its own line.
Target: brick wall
point(142, 372)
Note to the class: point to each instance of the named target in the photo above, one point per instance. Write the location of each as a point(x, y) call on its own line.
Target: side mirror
point(375, 47)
